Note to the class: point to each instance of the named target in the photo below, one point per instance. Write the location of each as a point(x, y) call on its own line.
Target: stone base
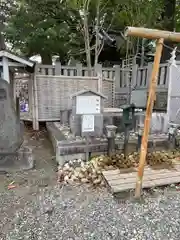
point(67, 150)
point(18, 161)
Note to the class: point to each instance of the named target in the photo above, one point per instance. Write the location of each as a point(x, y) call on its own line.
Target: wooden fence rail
point(121, 76)
point(115, 83)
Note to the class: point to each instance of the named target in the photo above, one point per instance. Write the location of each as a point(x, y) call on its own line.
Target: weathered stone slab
point(11, 136)
point(17, 161)
point(161, 101)
point(72, 148)
point(67, 150)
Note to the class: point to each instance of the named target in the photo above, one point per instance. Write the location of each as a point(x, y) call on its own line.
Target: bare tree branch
point(97, 33)
point(114, 14)
point(101, 48)
point(86, 34)
point(82, 51)
point(104, 6)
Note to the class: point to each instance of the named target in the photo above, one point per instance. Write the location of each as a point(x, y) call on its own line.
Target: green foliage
point(34, 31)
point(49, 27)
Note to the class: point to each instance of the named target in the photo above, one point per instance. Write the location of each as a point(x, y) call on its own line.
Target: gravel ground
point(39, 208)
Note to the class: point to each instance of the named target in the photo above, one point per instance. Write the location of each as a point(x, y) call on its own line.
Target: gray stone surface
point(11, 136)
point(68, 147)
point(20, 160)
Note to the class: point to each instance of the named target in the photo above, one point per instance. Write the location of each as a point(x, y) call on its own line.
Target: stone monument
point(87, 113)
point(11, 132)
point(11, 136)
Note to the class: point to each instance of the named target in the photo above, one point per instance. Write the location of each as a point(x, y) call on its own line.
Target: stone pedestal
point(75, 124)
point(111, 133)
point(17, 161)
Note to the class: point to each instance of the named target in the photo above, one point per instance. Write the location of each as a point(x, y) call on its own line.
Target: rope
point(171, 48)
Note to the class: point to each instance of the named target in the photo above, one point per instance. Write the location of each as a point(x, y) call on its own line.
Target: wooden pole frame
point(149, 109)
point(160, 36)
point(152, 34)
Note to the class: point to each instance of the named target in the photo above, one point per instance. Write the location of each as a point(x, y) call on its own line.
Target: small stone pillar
point(174, 135)
point(139, 136)
point(111, 134)
point(64, 116)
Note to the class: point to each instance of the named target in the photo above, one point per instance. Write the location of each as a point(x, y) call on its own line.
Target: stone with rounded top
point(11, 135)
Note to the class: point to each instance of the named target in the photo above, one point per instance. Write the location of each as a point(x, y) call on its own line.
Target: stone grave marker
point(12, 152)
point(11, 136)
point(87, 114)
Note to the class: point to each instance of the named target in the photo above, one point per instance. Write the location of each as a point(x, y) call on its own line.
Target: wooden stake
point(149, 108)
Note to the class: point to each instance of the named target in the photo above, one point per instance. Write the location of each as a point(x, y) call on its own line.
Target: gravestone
point(160, 103)
point(139, 98)
point(11, 135)
point(87, 113)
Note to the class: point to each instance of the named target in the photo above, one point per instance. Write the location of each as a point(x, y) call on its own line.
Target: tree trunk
point(2, 42)
point(169, 24)
point(86, 36)
point(46, 58)
point(97, 35)
point(87, 43)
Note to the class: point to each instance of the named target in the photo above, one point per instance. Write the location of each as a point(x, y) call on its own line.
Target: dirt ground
point(27, 183)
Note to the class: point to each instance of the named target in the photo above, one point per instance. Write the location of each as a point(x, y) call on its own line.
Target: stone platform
point(67, 147)
point(18, 161)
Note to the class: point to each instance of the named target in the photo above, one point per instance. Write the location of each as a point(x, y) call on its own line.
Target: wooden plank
point(118, 171)
point(131, 176)
point(122, 181)
point(146, 184)
point(119, 182)
point(133, 171)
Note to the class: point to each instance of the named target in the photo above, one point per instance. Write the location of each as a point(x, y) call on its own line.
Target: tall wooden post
point(160, 36)
point(149, 109)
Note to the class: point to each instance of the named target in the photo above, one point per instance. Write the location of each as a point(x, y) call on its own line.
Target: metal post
point(126, 140)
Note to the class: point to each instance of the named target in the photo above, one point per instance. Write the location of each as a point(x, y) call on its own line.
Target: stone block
point(18, 161)
point(98, 127)
point(11, 135)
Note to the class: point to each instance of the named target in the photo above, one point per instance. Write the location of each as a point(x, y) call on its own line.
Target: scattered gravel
point(39, 208)
point(69, 212)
